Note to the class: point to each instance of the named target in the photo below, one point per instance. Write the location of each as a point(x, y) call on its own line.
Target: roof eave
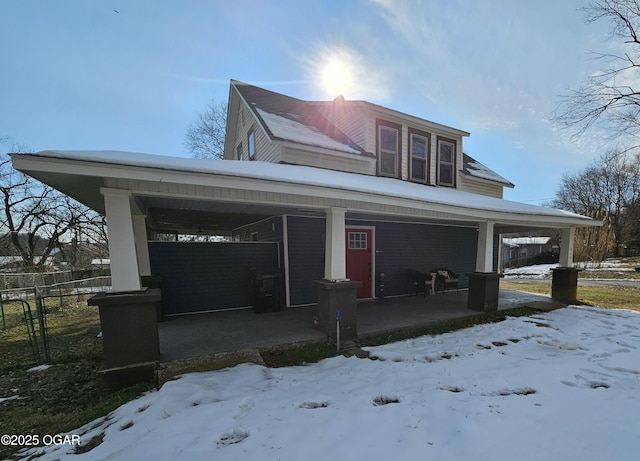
point(472, 177)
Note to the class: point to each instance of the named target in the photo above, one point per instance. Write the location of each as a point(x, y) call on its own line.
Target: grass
point(298, 355)
point(68, 394)
point(602, 296)
point(614, 274)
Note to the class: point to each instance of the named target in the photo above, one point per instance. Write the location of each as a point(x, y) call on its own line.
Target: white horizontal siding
point(345, 162)
point(266, 151)
point(479, 187)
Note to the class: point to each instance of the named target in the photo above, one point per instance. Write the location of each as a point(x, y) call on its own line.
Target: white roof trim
point(336, 182)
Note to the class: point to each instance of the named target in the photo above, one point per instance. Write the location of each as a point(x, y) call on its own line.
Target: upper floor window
point(418, 155)
point(388, 147)
point(239, 151)
point(446, 162)
point(251, 145)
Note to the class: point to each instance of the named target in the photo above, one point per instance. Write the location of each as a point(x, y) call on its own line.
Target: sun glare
point(336, 77)
point(341, 71)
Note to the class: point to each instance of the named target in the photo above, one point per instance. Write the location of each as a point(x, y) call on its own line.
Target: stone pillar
point(334, 296)
point(129, 327)
point(125, 275)
point(484, 290)
point(564, 282)
point(130, 341)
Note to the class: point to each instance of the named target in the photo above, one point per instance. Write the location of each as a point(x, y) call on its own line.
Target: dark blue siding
point(399, 247)
point(406, 246)
point(306, 257)
point(206, 276)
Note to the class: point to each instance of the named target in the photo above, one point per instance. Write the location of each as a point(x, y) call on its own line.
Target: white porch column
point(335, 258)
point(142, 247)
point(484, 256)
point(122, 245)
point(566, 247)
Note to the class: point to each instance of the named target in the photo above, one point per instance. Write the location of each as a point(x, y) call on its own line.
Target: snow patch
point(40, 368)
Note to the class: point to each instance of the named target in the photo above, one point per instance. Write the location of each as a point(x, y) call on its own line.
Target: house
point(382, 147)
point(331, 198)
point(521, 251)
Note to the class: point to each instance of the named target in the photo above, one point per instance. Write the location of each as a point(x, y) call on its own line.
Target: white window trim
point(397, 152)
point(440, 162)
point(425, 136)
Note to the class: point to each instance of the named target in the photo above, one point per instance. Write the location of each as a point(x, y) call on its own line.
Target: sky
point(561, 385)
point(133, 75)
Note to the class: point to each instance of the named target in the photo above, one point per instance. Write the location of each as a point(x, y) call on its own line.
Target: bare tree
point(609, 187)
point(205, 137)
point(36, 219)
point(608, 98)
point(594, 243)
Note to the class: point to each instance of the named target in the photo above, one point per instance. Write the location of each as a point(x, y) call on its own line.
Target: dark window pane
point(418, 169)
point(446, 174)
point(251, 145)
point(418, 146)
point(446, 153)
point(388, 163)
point(388, 138)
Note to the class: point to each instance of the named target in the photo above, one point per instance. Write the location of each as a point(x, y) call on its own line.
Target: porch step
point(169, 370)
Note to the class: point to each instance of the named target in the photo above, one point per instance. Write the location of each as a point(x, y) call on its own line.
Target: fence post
point(42, 323)
point(4, 323)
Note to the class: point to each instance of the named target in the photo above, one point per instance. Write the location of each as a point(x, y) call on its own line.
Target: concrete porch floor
point(198, 335)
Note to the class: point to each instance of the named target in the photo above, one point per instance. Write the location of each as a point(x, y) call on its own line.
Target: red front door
point(359, 259)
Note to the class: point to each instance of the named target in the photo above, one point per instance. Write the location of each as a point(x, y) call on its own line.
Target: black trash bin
point(266, 292)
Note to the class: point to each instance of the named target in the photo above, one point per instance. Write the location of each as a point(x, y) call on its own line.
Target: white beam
point(566, 246)
point(285, 250)
point(335, 259)
point(142, 244)
point(125, 275)
point(484, 256)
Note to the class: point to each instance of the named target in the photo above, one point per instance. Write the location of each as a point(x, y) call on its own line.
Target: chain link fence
point(34, 306)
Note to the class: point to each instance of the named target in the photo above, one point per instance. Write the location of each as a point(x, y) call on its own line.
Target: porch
point(206, 334)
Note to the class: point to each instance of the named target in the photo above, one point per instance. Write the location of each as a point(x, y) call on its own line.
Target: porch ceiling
point(169, 215)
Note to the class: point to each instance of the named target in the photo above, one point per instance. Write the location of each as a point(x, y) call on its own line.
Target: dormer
point(352, 136)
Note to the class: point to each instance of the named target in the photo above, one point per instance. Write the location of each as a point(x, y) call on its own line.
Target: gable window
point(446, 162)
point(418, 155)
point(239, 151)
point(251, 145)
point(388, 147)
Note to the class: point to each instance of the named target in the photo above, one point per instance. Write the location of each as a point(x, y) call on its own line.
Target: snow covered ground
point(542, 271)
point(560, 385)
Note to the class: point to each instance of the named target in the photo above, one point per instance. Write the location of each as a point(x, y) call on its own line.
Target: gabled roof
point(289, 119)
point(393, 114)
point(474, 169)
